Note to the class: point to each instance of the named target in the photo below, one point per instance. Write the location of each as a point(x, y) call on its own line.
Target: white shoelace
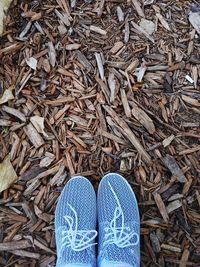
point(78, 240)
point(120, 236)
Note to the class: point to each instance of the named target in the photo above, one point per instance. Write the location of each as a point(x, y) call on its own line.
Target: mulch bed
point(112, 97)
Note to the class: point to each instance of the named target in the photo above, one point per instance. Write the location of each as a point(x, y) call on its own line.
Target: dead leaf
point(194, 18)
point(7, 174)
point(38, 123)
point(148, 26)
point(7, 95)
point(144, 119)
point(141, 30)
point(4, 5)
point(32, 63)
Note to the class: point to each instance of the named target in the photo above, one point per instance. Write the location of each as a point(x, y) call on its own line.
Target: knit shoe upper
point(75, 224)
point(119, 223)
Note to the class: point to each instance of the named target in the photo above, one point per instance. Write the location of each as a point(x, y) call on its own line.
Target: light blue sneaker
point(119, 223)
point(75, 224)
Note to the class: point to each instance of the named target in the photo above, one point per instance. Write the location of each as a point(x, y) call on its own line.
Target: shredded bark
point(90, 88)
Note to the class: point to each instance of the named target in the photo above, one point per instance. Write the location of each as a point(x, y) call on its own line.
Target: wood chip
point(143, 118)
point(161, 207)
point(97, 30)
point(138, 8)
point(129, 134)
point(163, 21)
point(14, 112)
point(15, 245)
point(141, 30)
point(33, 135)
point(100, 65)
point(172, 165)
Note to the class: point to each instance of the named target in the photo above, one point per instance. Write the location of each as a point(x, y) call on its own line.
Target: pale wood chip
point(59, 101)
point(100, 8)
point(15, 245)
point(189, 150)
point(174, 205)
point(14, 112)
point(161, 206)
point(191, 101)
point(98, 30)
point(125, 103)
point(24, 253)
point(5, 122)
point(134, 64)
point(72, 46)
point(112, 137)
point(78, 120)
point(126, 32)
point(25, 30)
point(167, 141)
point(35, 138)
point(43, 247)
point(163, 21)
point(120, 14)
point(138, 8)
point(184, 258)
point(117, 46)
point(52, 54)
point(63, 17)
point(70, 164)
point(143, 118)
point(171, 248)
point(59, 177)
point(100, 65)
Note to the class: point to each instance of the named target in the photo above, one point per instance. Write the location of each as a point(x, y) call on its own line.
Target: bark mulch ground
point(109, 86)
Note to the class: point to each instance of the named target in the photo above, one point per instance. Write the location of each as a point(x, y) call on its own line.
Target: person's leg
point(75, 224)
point(119, 223)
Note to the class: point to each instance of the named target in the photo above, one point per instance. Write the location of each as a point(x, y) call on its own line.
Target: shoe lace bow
point(120, 235)
point(78, 240)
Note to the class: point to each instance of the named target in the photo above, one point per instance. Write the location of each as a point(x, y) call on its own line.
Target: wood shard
point(138, 8)
point(141, 30)
point(14, 112)
point(97, 30)
point(15, 245)
point(33, 135)
point(129, 134)
point(161, 207)
point(172, 165)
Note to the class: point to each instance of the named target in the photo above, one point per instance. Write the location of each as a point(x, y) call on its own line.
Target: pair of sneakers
point(76, 216)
